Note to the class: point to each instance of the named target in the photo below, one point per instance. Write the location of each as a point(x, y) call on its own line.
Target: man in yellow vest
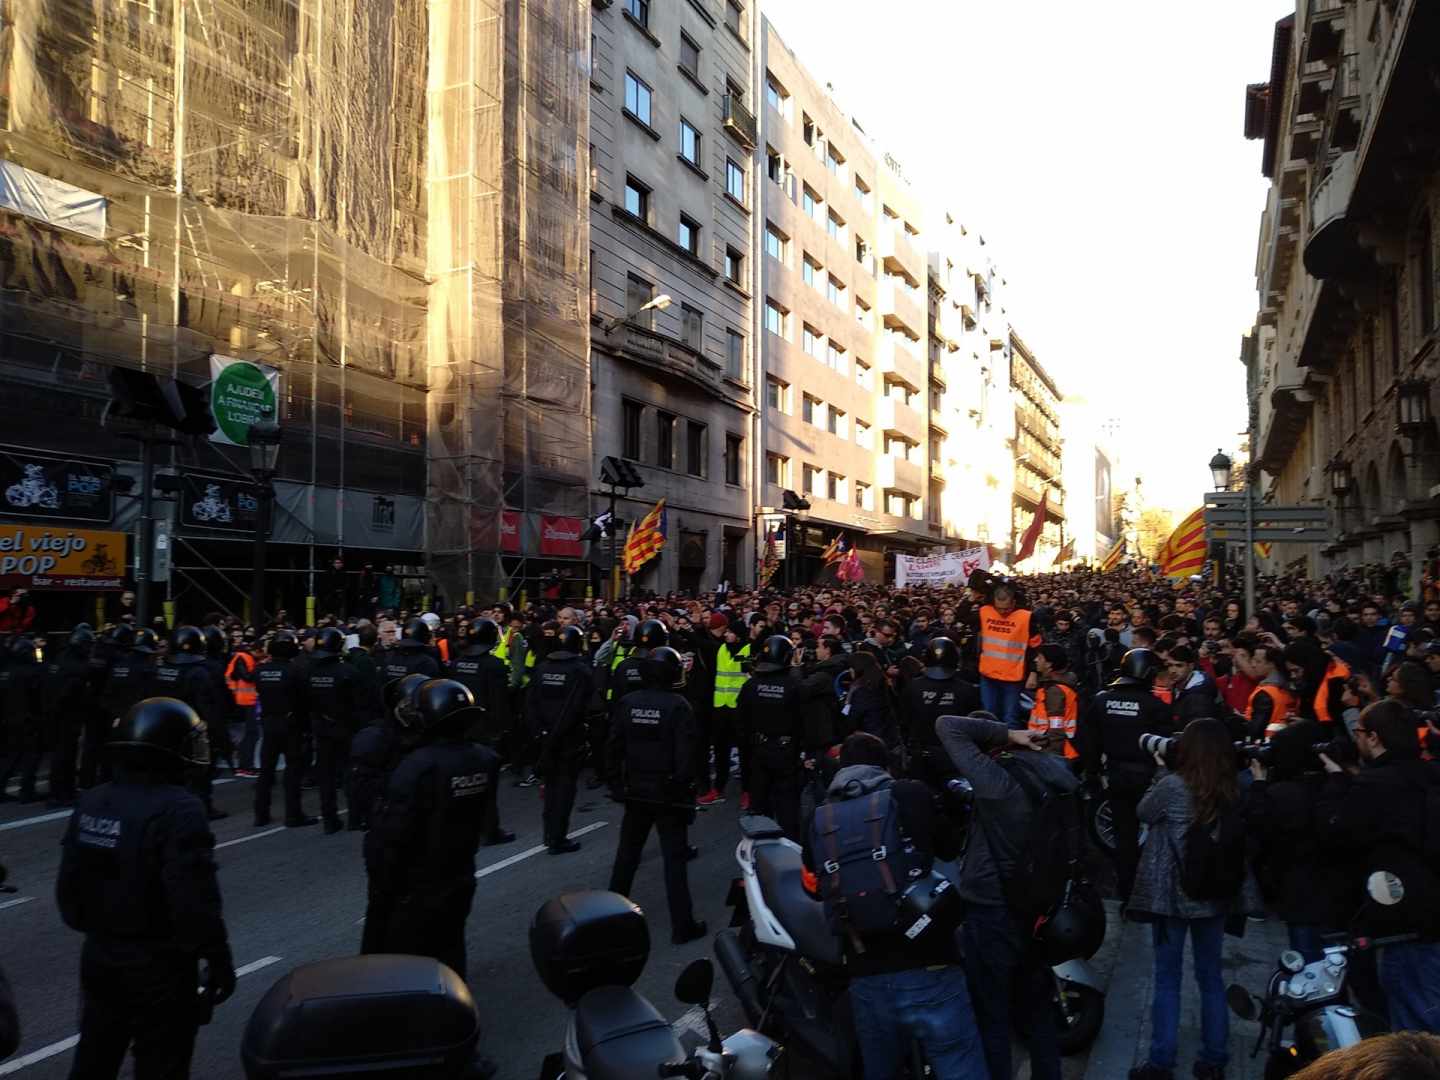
point(731, 663)
point(1005, 635)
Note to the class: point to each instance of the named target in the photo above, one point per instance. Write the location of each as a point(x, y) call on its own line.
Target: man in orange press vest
point(1271, 704)
point(1057, 705)
point(245, 731)
point(1328, 705)
point(1005, 634)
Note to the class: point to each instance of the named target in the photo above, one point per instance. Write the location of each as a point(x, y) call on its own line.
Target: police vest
point(1336, 669)
point(1042, 722)
point(1283, 707)
point(729, 676)
point(1003, 640)
point(240, 678)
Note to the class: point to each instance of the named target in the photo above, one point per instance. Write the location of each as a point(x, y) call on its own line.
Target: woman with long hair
point(865, 705)
point(1202, 789)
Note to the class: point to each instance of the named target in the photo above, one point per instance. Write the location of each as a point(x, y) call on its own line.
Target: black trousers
point(93, 766)
point(670, 824)
point(724, 738)
point(430, 923)
point(1123, 804)
point(561, 779)
point(62, 739)
point(146, 1006)
point(20, 756)
point(291, 743)
point(775, 783)
point(331, 754)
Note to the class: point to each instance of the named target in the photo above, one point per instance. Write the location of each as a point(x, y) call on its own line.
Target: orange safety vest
point(443, 644)
point(1003, 640)
point(1336, 669)
point(1164, 693)
point(242, 686)
point(1042, 723)
point(1284, 707)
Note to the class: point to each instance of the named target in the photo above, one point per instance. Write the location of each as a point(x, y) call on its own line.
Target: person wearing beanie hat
point(718, 621)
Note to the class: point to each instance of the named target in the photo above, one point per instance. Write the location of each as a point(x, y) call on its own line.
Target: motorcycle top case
point(363, 1017)
point(583, 940)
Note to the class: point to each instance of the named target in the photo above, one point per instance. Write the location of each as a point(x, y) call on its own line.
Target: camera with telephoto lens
point(1164, 745)
point(1246, 752)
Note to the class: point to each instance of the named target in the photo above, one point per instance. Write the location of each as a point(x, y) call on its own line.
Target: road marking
point(251, 836)
point(41, 819)
point(504, 864)
point(46, 1052)
point(16, 902)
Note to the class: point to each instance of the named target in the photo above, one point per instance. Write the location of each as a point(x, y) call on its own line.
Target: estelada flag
point(834, 551)
point(1032, 534)
point(1113, 559)
point(1262, 548)
point(1184, 553)
point(645, 539)
point(1066, 553)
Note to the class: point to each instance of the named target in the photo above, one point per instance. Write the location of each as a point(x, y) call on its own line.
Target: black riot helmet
point(330, 640)
point(284, 645)
point(651, 634)
point(775, 654)
point(399, 695)
point(416, 630)
point(444, 704)
point(146, 641)
point(664, 668)
point(187, 640)
point(82, 638)
point(570, 639)
point(1138, 667)
point(161, 728)
point(123, 636)
point(942, 658)
point(484, 632)
point(214, 640)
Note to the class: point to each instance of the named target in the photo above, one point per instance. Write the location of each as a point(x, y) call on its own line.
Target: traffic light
point(619, 473)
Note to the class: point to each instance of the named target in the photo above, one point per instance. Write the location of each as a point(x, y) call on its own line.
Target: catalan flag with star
point(646, 539)
point(835, 551)
point(1113, 559)
point(1184, 553)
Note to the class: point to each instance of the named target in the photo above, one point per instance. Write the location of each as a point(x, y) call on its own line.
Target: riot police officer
point(1112, 726)
point(629, 675)
point(72, 702)
point(556, 705)
point(137, 878)
point(128, 678)
point(217, 659)
point(328, 706)
point(183, 675)
point(412, 654)
point(279, 684)
point(484, 674)
point(22, 712)
point(769, 711)
point(939, 691)
point(379, 746)
point(420, 850)
point(651, 758)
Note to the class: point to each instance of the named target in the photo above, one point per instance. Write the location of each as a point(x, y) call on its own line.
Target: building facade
point(1094, 474)
point(673, 201)
point(1342, 362)
point(1038, 465)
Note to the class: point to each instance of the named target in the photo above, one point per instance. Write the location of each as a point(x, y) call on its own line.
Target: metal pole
point(614, 552)
point(1249, 541)
point(262, 529)
point(146, 554)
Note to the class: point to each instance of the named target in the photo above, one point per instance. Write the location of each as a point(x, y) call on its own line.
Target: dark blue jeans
point(1207, 938)
point(1009, 982)
point(1410, 977)
point(1003, 700)
point(928, 1004)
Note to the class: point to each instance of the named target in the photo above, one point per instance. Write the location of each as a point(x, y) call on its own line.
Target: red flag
point(1032, 534)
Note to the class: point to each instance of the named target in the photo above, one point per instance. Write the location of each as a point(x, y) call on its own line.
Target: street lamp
point(1220, 471)
point(1340, 479)
point(1412, 409)
point(659, 303)
point(792, 504)
point(264, 440)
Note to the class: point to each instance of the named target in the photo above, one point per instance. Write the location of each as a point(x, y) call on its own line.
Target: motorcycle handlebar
point(690, 1070)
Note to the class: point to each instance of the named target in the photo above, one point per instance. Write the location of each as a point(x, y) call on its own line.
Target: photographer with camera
point(1381, 816)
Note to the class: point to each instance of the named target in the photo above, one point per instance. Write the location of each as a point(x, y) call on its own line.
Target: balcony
point(900, 475)
point(1324, 30)
point(900, 308)
point(1316, 79)
point(1342, 128)
point(666, 354)
point(898, 252)
point(1331, 250)
point(739, 122)
point(1304, 137)
point(897, 418)
point(897, 357)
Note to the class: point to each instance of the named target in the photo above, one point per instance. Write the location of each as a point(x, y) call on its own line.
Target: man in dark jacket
point(72, 703)
point(367, 665)
point(556, 703)
point(183, 675)
point(1195, 693)
point(329, 706)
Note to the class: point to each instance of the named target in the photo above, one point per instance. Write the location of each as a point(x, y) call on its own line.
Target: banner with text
point(952, 568)
point(44, 557)
point(561, 536)
point(241, 394)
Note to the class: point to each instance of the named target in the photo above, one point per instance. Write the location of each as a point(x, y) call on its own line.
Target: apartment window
point(734, 180)
point(1425, 277)
point(862, 255)
point(594, 170)
point(934, 399)
point(694, 448)
point(777, 244)
point(862, 495)
point(862, 312)
point(774, 165)
point(835, 357)
point(835, 291)
point(777, 319)
point(777, 470)
point(863, 376)
point(812, 272)
point(777, 395)
point(835, 226)
point(776, 96)
point(692, 326)
point(688, 235)
point(638, 293)
point(689, 55)
point(834, 161)
point(862, 434)
point(734, 457)
point(897, 447)
point(637, 97)
point(735, 17)
point(811, 203)
point(835, 423)
point(810, 408)
point(734, 266)
point(637, 199)
point(936, 489)
point(665, 440)
point(934, 449)
point(807, 129)
point(639, 10)
point(734, 354)
point(834, 487)
point(862, 192)
point(811, 340)
point(897, 504)
point(689, 142)
point(631, 414)
point(811, 477)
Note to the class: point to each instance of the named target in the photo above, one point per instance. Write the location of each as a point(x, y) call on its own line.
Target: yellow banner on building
point(52, 557)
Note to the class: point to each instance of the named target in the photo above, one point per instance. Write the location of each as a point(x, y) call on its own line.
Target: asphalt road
point(294, 895)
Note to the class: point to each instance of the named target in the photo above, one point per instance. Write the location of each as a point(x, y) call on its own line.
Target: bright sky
point(1099, 149)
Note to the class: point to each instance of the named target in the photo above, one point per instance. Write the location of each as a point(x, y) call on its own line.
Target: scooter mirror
point(695, 982)
point(1242, 1003)
point(1385, 888)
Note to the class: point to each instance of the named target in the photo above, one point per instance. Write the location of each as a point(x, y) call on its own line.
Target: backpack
point(1047, 860)
point(1212, 864)
point(865, 862)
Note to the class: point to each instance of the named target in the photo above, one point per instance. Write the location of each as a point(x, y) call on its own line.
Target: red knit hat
point(718, 621)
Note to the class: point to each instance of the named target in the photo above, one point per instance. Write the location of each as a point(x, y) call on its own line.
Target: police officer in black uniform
point(217, 659)
point(939, 691)
point(137, 878)
point(184, 676)
point(559, 691)
point(651, 758)
point(128, 678)
point(328, 705)
point(412, 654)
point(22, 712)
point(278, 685)
point(484, 674)
point(1112, 726)
point(379, 746)
point(629, 675)
point(420, 850)
point(72, 703)
point(769, 710)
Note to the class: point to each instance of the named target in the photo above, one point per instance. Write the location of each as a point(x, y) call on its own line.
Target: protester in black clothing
point(1194, 694)
point(867, 703)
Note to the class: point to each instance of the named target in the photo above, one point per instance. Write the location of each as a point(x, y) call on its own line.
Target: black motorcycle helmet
point(330, 640)
point(483, 632)
point(82, 638)
point(570, 639)
point(930, 909)
point(214, 641)
point(444, 704)
point(187, 640)
point(163, 728)
point(664, 668)
point(146, 641)
point(942, 658)
point(1138, 667)
point(1075, 929)
point(284, 645)
point(651, 634)
point(416, 630)
point(399, 697)
point(775, 654)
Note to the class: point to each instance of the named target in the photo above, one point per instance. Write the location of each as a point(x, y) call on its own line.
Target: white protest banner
point(952, 568)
